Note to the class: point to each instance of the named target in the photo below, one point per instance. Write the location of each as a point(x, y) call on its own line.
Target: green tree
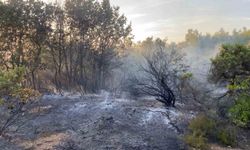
point(24, 28)
point(79, 43)
point(232, 66)
point(99, 31)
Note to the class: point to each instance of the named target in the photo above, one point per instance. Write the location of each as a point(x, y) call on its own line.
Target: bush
point(240, 112)
point(14, 97)
point(227, 136)
point(203, 128)
point(202, 124)
point(197, 141)
point(200, 128)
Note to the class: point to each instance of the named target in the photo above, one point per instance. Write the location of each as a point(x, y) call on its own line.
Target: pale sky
point(172, 18)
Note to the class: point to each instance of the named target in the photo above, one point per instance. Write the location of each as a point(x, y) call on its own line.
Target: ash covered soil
point(100, 122)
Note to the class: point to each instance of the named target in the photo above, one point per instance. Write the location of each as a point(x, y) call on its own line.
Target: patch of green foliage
point(232, 65)
point(196, 141)
point(202, 124)
point(14, 97)
point(232, 62)
point(240, 112)
point(10, 81)
point(11, 86)
point(200, 128)
point(187, 75)
point(240, 85)
point(227, 136)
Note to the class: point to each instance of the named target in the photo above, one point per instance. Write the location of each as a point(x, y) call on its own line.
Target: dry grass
point(44, 142)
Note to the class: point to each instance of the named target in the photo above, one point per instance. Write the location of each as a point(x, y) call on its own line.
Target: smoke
point(197, 54)
point(199, 60)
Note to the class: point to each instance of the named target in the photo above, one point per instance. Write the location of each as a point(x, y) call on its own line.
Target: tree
point(98, 32)
point(192, 37)
point(24, 28)
point(13, 29)
point(40, 26)
point(79, 43)
point(232, 66)
point(111, 34)
point(57, 44)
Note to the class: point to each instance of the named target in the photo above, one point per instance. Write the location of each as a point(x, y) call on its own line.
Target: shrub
point(200, 128)
point(203, 128)
point(197, 141)
point(202, 124)
point(14, 97)
point(240, 112)
point(227, 136)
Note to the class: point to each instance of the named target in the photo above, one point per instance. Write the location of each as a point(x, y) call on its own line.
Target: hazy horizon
point(172, 18)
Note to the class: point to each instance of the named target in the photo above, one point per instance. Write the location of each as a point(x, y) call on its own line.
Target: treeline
point(74, 45)
point(196, 38)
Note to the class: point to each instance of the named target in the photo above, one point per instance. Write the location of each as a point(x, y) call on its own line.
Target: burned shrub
point(161, 76)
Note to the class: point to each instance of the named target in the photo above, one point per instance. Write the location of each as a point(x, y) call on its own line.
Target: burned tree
point(161, 75)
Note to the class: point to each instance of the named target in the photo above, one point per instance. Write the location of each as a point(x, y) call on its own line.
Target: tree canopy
point(82, 41)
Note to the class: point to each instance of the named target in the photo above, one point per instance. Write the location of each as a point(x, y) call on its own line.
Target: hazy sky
point(172, 18)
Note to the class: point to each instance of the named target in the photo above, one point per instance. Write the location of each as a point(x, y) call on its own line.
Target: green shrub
point(196, 141)
point(203, 128)
point(240, 112)
point(232, 61)
point(200, 128)
point(202, 124)
point(227, 136)
point(14, 97)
